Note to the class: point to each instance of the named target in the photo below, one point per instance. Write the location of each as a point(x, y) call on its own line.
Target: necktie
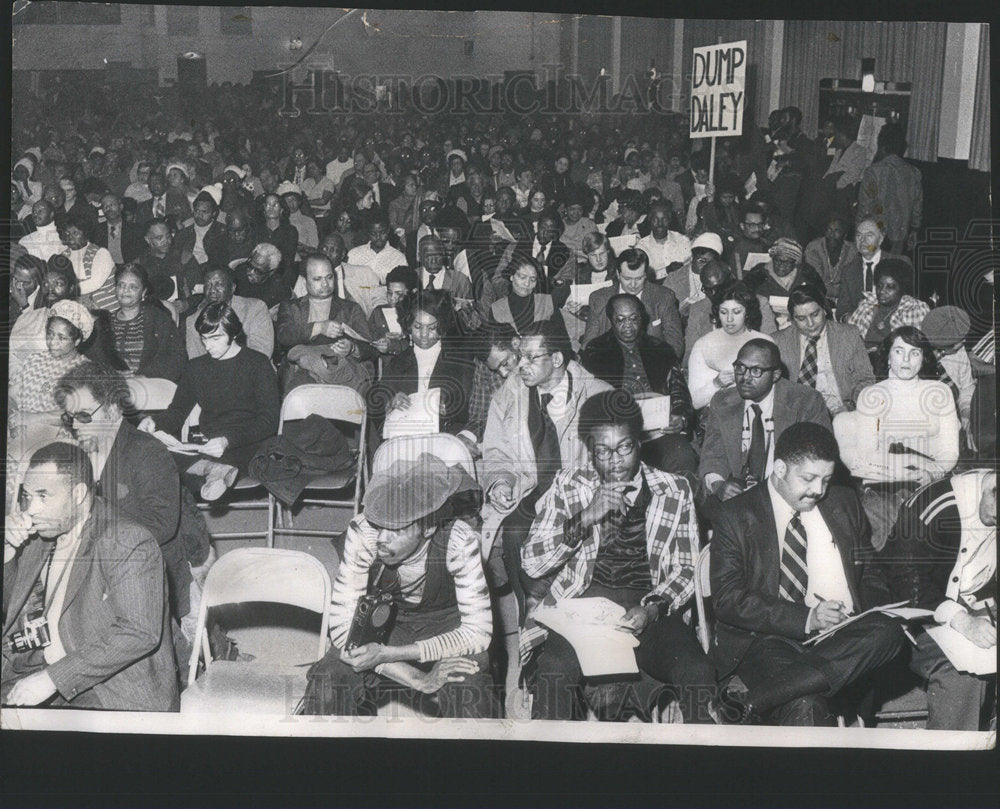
point(430, 281)
point(793, 577)
point(756, 464)
point(808, 371)
point(160, 208)
point(540, 255)
point(869, 280)
point(944, 377)
point(114, 232)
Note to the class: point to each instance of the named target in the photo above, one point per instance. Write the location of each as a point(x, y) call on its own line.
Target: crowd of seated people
point(556, 286)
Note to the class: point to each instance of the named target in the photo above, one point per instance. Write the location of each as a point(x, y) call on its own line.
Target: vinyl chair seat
point(232, 687)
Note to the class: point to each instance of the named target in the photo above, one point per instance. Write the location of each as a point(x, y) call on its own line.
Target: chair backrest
point(264, 574)
point(337, 402)
point(445, 446)
point(150, 393)
point(702, 590)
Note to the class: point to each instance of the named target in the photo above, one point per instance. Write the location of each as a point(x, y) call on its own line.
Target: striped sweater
point(465, 566)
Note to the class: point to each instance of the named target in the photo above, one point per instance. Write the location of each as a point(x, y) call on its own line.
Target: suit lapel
point(78, 572)
point(28, 568)
point(731, 424)
point(767, 536)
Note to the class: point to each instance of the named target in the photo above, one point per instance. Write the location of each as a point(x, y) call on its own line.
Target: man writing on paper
point(789, 558)
point(942, 556)
point(621, 530)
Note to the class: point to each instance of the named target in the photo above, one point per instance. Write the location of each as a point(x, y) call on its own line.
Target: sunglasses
point(81, 416)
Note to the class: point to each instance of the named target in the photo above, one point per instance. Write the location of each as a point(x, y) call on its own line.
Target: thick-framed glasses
point(81, 416)
point(623, 450)
point(755, 371)
point(533, 359)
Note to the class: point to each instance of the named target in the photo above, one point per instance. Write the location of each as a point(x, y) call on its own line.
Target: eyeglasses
point(755, 371)
point(534, 358)
point(81, 416)
point(623, 450)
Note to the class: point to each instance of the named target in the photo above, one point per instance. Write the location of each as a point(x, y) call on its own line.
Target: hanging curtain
point(979, 149)
point(903, 52)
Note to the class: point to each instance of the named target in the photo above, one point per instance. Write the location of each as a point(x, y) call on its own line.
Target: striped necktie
point(793, 577)
point(810, 363)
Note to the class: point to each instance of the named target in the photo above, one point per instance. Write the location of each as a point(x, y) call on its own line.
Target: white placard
point(718, 78)
point(422, 417)
point(620, 243)
point(593, 627)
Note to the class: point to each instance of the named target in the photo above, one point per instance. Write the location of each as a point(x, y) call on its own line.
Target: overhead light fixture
point(868, 75)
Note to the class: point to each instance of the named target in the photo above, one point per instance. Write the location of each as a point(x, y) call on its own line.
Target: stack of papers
point(579, 294)
point(655, 412)
point(593, 627)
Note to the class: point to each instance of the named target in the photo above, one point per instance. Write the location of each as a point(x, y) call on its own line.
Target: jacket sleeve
point(733, 598)
point(168, 354)
point(157, 504)
point(291, 329)
point(858, 364)
point(713, 451)
point(131, 569)
point(172, 419)
point(500, 460)
point(259, 329)
point(556, 532)
point(670, 317)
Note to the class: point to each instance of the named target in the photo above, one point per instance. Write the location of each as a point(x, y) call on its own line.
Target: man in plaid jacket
point(624, 531)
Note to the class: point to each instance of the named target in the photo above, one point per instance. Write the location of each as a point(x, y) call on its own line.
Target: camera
point(33, 635)
point(373, 620)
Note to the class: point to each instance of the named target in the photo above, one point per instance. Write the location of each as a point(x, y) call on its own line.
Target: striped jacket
point(465, 566)
point(671, 542)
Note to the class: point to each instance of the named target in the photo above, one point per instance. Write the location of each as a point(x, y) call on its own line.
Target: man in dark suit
point(554, 257)
point(312, 334)
point(156, 206)
point(384, 192)
point(627, 358)
point(123, 239)
point(660, 303)
point(789, 558)
point(214, 243)
point(745, 420)
point(95, 578)
point(819, 352)
point(858, 276)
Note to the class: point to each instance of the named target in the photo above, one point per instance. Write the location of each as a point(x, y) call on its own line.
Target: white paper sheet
point(884, 608)
point(174, 445)
point(592, 626)
point(389, 313)
point(753, 259)
point(655, 412)
point(422, 417)
point(619, 243)
point(580, 294)
point(964, 655)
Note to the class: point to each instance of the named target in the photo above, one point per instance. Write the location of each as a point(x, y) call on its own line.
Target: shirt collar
point(766, 405)
point(782, 511)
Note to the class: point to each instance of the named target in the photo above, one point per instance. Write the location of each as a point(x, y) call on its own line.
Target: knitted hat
point(214, 191)
point(235, 170)
point(787, 249)
point(456, 153)
point(182, 169)
point(411, 489)
point(945, 326)
point(76, 313)
point(288, 188)
point(710, 241)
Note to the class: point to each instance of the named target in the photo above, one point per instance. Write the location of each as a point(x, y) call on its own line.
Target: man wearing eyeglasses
point(618, 529)
point(133, 471)
point(530, 435)
point(744, 421)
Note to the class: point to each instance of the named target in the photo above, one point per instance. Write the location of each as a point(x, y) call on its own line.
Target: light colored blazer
point(851, 367)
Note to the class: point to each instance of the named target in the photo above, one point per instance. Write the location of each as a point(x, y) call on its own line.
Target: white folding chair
point(275, 680)
point(338, 403)
point(447, 447)
point(150, 393)
point(703, 590)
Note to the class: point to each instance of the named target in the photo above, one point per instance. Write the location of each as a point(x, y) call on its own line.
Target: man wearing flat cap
point(946, 328)
point(412, 544)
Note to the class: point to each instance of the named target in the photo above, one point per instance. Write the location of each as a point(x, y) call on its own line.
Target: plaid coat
point(671, 542)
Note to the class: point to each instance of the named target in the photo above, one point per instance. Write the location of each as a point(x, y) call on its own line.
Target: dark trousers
point(954, 699)
point(334, 688)
point(791, 684)
point(516, 528)
point(668, 653)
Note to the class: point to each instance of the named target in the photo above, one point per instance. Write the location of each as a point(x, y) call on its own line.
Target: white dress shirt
point(827, 580)
point(676, 247)
point(382, 263)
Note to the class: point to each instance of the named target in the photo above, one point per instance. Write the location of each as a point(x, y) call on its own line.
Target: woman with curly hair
point(736, 317)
